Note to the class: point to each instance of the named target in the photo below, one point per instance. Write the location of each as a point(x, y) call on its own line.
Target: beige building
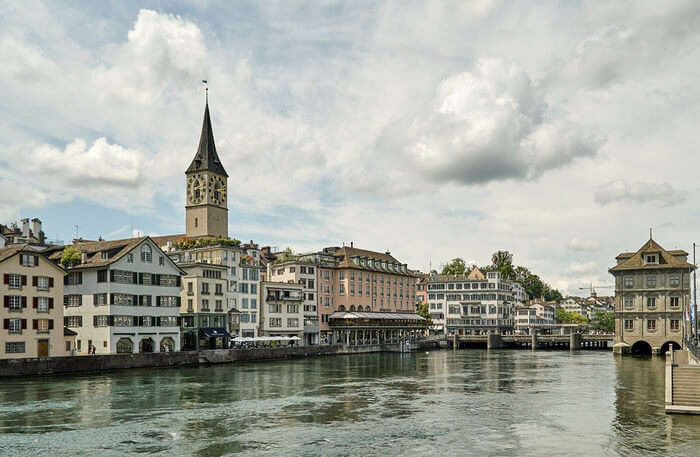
point(281, 310)
point(301, 270)
point(32, 312)
point(652, 291)
point(203, 306)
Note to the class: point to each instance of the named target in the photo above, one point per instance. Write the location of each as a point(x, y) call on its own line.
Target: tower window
point(195, 222)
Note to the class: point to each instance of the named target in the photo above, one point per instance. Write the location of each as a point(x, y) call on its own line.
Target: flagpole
point(695, 294)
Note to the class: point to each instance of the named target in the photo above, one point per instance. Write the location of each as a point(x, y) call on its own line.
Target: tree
point(552, 294)
point(604, 322)
point(422, 311)
point(455, 267)
point(565, 317)
point(70, 257)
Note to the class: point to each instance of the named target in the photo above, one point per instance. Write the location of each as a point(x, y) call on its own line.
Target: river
point(468, 402)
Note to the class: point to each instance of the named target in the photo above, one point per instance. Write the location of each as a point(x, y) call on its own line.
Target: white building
point(305, 272)
point(519, 294)
point(475, 304)
point(538, 317)
point(123, 297)
point(281, 310)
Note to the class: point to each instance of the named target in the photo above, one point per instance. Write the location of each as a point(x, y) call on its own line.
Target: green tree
point(565, 317)
point(604, 321)
point(423, 311)
point(455, 267)
point(70, 257)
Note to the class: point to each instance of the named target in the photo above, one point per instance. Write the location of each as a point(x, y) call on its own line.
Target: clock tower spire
point(206, 209)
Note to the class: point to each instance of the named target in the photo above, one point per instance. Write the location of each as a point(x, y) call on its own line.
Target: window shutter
point(140, 300)
point(111, 275)
point(50, 324)
point(135, 278)
point(179, 321)
point(135, 299)
point(140, 278)
point(157, 321)
point(6, 278)
point(177, 281)
point(35, 324)
point(179, 299)
point(6, 303)
point(35, 302)
point(50, 302)
point(24, 302)
point(24, 324)
point(110, 321)
point(111, 299)
point(50, 283)
point(6, 323)
point(80, 277)
point(24, 280)
point(21, 260)
point(65, 280)
point(154, 280)
point(34, 281)
point(36, 260)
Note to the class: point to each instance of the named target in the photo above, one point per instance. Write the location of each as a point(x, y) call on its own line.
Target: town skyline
point(318, 156)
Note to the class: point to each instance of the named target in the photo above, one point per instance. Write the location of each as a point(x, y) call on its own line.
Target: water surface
point(469, 402)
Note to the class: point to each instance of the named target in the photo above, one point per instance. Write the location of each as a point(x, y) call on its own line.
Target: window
point(651, 302)
point(253, 317)
point(253, 288)
point(168, 321)
point(73, 321)
point(42, 282)
point(675, 324)
point(243, 287)
point(293, 323)
point(122, 277)
point(311, 270)
point(253, 303)
point(651, 325)
point(218, 306)
point(205, 305)
point(275, 308)
point(14, 347)
point(99, 299)
point(245, 318)
point(130, 258)
point(651, 258)
point(123, 321)
point(205, 288)
point(101, 275)
point(341, 275)
point(629, 302)
point(166, 301)
point(123, 299)
point(674, 302)
point(651, 281)
point(275, 322)
point(42, 305)
point(15, 325)
point(628, 282)
point(42, 325)
point(629, 324)
point(254, 275)
point(14, 302)
point(15, 281)
point(72, 300)
point(73, 278)
point(674, 281)
point(293, 309)
point(161, 261)
point(342, 289)
point(146, 254)
point(100, 321)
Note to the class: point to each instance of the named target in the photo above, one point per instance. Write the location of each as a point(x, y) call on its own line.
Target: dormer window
point(651, 258)
point(104, 255)
point(146, 254)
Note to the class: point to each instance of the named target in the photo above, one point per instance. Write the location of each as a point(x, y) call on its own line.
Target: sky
point(559, 131)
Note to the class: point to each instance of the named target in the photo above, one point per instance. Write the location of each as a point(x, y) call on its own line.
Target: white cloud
point(582, 245)
point(660, 194)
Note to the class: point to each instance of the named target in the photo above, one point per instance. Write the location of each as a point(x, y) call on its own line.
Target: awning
point(213, 332)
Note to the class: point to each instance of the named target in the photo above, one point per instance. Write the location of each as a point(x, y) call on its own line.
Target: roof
point(206, 158)
point(667, 259)
point(370, 315)
point(6, 253)
point(346, 254)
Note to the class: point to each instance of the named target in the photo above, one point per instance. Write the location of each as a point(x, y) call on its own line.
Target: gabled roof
point(6, 253)
point(667, 259)
point(206, 158)
point(476, 273)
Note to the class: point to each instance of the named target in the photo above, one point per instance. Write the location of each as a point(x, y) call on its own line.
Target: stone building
point(281, 312)
point(203, 310)
point(652, 295)
point(32, 311)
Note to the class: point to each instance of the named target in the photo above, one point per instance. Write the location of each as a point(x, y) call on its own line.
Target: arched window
point(146, 254)
point(125, 346)
point(196, 189)
point(146, 345)
point(352, 307)
point(341, 308)
point(167, 344)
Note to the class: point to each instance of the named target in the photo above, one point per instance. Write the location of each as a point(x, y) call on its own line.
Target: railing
point(693, 347)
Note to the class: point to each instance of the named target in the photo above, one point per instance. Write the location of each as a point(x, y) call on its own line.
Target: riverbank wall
point(98, 363)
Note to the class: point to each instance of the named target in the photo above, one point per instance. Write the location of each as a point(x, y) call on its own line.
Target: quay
point(682, 377)
point(574, 341)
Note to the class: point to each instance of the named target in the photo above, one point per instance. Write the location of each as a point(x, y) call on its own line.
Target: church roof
point(206, 158)
point(667, 259)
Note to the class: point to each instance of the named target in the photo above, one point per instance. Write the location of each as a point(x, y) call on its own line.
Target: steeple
point(206, 158)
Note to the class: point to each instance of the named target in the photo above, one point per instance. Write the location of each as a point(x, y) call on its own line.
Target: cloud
point(489, 124)
point(660, 194)
point(579, 268)
point(581, 245)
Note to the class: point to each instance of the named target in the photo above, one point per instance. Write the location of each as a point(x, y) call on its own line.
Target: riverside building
point(652, 294)
point(122, 297)
point(32, 311)
point(478, 303)
point(281, 311)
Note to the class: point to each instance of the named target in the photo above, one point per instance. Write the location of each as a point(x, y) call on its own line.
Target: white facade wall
point(105, 338)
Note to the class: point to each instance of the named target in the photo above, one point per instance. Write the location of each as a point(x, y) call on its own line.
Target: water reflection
point(440, 403)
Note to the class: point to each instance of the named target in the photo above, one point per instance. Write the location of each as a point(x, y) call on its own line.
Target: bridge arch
point(669, 345)
point(641, 347)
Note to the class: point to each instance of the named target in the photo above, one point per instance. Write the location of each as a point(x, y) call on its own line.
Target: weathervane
point(206, 90)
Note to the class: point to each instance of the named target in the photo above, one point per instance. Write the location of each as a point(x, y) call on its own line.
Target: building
point(302, 270)
point(204, 314)
point(652, 292)
point(576, 305)
point(539, 318)
point(206, 239)
point(206, 211)
point(519, 293)
point(471, 304)
point(281, 312)
point(123, 297)
point(26, 232)
point(32, 294)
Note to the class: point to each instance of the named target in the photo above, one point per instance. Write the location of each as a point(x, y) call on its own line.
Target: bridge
point(573, 341)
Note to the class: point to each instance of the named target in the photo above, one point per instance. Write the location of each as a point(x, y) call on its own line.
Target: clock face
point(195, 191)
point(217, 194)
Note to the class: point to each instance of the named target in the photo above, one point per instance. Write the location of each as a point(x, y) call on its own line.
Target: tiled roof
point(6, 253)
point(370, 315)
point(667, 259)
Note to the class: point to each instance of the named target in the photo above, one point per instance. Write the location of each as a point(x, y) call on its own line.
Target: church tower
point(206, 210)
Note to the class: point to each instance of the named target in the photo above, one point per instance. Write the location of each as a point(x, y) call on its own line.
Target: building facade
point(203, 306)
point(652, 295)
point(123, 297)
point(281, 311)
point(301, 270)
point(473, 304)
point(32, 312)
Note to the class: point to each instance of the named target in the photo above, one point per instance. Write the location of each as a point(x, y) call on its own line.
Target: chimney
point(36, 227)
point(25, 227)
point(83, 257)
point(351, 244)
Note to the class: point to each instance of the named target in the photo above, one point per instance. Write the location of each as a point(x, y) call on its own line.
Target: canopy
point(213, 332)
point(260, 339)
